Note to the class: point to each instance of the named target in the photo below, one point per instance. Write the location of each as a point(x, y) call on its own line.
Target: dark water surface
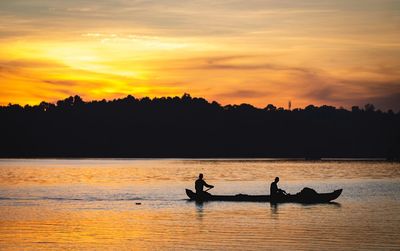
point(141, 204)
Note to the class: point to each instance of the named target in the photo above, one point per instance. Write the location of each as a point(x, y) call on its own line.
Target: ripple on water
point(91, 204)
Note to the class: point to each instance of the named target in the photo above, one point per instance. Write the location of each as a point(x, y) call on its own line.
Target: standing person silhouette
point(275, 192)
point(200, 184)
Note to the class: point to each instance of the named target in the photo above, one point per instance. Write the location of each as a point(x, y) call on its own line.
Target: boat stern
point(190, 194)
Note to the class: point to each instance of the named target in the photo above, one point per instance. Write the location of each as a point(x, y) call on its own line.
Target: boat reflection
point(199, 210)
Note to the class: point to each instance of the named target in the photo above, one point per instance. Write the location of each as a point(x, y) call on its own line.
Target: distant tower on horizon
point(290, 105)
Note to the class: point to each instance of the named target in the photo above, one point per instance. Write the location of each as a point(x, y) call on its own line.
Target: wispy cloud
point(313, 51)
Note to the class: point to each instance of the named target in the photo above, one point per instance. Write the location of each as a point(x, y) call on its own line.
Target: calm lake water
point(141, 205)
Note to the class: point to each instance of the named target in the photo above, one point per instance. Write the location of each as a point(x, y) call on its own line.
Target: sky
point(336, 52)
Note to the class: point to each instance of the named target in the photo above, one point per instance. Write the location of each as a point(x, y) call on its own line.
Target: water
point(141, 204)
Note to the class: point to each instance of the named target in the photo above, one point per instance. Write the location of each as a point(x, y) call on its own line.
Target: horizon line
point(188, 95)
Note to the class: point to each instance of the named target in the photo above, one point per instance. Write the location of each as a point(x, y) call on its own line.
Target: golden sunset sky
point(336, 52)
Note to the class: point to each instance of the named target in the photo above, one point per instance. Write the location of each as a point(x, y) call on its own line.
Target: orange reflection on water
point(130, 171)
point(92, 204)
point(33, 227)
point(210, 226)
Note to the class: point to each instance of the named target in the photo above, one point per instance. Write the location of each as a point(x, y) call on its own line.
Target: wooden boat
point(295, 198)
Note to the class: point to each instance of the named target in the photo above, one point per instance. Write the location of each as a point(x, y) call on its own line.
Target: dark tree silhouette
point(270, 108)
point(369, 108)
point(193, 127)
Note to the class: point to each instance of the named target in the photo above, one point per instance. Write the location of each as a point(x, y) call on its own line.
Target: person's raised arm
point(207, 185)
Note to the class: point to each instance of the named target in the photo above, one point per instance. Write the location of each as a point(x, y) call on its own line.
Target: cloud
point(383, 94)
point(193, 18)
point(345, 92)
point(242, 93)
point(316, 51)
point(26, 69)
point(385, 102)
point(18, 64)
point(236, 62)
point(68, 83)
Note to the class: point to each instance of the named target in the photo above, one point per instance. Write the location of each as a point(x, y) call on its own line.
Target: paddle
point(208, 189)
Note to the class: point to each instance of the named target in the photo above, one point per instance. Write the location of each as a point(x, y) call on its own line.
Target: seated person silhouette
point(275, 191)
point(200, 184)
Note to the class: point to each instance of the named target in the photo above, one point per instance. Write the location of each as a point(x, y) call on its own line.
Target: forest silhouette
point(186, 127)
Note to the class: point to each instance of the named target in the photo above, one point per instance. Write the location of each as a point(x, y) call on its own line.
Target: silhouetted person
point(274, 190)
point(200, 184)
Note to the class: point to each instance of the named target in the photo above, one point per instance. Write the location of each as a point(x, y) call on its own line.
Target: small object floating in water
point(138, 203)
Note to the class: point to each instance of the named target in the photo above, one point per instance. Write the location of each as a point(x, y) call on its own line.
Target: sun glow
point(226, 52)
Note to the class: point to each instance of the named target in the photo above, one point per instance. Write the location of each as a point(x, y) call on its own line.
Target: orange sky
point(339, 53)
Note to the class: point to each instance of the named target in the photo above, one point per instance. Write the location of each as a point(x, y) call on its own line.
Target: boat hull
point(296, 198)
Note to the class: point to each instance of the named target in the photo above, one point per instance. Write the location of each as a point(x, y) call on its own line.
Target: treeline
point(193, 127)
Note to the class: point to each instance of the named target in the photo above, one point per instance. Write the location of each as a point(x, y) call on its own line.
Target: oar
point(209, 189)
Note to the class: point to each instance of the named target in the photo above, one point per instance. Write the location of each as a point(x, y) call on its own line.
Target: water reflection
point(199, 210)
point(335, 204)
point(274, 210)
point(274, 207)
point(91, 204)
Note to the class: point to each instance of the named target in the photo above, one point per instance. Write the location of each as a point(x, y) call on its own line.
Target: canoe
point(295, 198)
